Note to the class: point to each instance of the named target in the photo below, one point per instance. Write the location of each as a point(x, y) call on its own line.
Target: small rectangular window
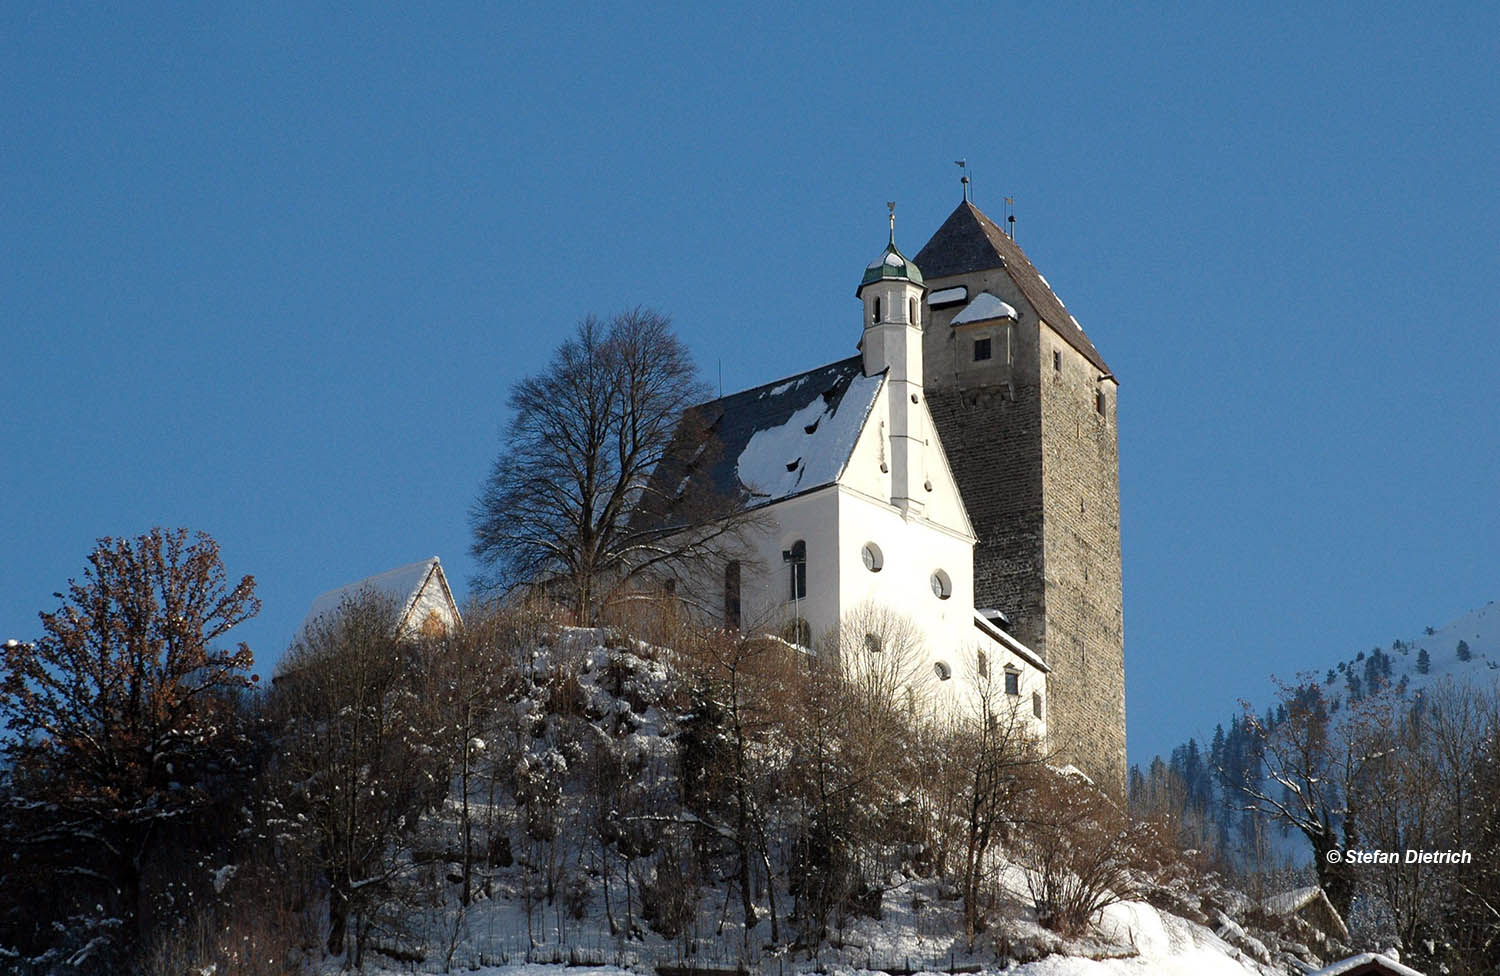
point(981, 349)
point(984, 665)
point(1099, 403)
point(1056, 361)
point(1012, 682)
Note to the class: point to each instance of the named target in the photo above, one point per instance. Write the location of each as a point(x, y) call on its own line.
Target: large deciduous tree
point(572, 501)
point(123, 727)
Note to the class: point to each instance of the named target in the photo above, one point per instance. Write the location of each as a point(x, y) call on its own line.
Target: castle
point(961, 470)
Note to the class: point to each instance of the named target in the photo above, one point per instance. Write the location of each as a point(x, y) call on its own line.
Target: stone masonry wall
point(1038, 468)
point(1081, 550)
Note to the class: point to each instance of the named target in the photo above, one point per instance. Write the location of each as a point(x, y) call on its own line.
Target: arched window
point(876, 316)
point(911, 310)
point(796, 561)
point(732, 619)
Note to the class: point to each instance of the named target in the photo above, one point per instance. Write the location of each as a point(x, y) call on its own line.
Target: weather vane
point(963, 164)
point(891, 206)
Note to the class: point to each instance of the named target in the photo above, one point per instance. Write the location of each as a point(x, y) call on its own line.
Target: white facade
point(871, 517)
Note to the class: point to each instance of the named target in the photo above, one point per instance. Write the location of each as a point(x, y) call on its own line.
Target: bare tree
point(572, 501)
point(473, 672)
point(1317, 770)
point(993, 751)
point(1081, 849)
point(358, 735)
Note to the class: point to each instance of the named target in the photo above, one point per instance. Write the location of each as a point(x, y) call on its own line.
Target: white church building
point(859, 509)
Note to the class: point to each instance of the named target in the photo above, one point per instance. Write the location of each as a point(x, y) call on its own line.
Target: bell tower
point(891, 292)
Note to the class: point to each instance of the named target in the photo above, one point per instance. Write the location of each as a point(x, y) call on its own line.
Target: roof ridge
point(774, 383)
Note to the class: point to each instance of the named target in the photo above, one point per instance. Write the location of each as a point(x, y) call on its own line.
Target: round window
point(942, 586)
point(942, 670)
point(872, 557)
point(873, 643)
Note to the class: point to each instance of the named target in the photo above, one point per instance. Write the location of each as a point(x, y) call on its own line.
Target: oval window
point(874, 560)
point(942, 670)
point(942, 586)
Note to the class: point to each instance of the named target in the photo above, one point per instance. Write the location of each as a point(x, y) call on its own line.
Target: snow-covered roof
point(984, 307)
point(1366, 962)
point(1004, 639)
point(1294, 901)
point(413, 588)
point(1287, 902)
point(781, 439)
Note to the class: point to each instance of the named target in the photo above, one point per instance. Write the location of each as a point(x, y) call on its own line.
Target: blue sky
point(269, 271)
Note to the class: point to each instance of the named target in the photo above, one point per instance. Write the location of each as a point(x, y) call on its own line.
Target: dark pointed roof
point(970, 241)
point(762, 445)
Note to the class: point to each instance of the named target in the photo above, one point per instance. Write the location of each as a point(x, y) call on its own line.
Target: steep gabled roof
point(776, 440)
point(409, 588)
point(970, 241)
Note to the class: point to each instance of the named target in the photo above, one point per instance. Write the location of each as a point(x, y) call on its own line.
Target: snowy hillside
point(1466, 650)
point(547, 892)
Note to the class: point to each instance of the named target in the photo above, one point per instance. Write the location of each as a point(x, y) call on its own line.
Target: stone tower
point(1025, 407)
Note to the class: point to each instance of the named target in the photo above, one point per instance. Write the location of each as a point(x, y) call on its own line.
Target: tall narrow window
point(1056, 361)
point(1036, 703)
point(1099, 403)
point(796, 561)
point(911, 311)
point(876, 317)
point(984, 665)
point(1012, 681)
point(732, 618)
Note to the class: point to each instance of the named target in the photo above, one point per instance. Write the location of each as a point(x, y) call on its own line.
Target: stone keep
point(1025, 408)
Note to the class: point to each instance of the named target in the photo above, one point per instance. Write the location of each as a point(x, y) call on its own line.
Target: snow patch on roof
point(1290, 901)
point(403, 586)
point(984, 306)
point(1349, 965)
point(944, 295)
point(768, 464)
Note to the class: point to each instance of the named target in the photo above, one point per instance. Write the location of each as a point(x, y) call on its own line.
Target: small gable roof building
point(419, 592)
